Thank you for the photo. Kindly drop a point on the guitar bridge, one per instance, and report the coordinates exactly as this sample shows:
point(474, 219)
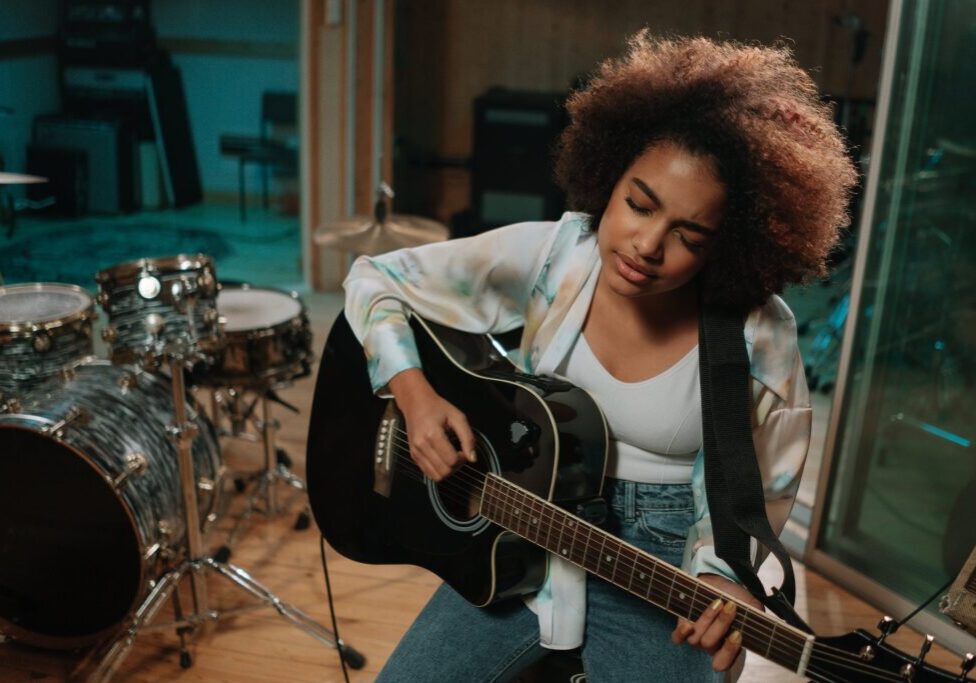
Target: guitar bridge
point(384, 453)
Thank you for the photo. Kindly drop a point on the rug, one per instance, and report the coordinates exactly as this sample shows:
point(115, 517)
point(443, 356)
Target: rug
point(73, 254)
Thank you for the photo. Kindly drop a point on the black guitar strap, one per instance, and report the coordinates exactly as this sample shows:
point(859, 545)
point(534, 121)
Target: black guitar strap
point(732, 481)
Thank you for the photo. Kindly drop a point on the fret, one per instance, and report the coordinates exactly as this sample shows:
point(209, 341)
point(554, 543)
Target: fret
point(536, 519)
point(574, 525)
point(667, 602)
point(548, 527)
point(694, 597)
point(650, 582)
point(586, 545)
point(772, 636)
point(633, 570)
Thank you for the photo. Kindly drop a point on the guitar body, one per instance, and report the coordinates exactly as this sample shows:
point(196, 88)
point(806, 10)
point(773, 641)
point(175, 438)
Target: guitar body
point(488, 528)
point(373, 505)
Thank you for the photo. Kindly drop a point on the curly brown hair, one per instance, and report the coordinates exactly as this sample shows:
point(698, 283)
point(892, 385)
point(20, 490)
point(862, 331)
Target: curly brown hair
point(752, 109)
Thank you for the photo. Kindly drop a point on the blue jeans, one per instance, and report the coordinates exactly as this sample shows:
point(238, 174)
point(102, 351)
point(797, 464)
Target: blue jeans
point(626, 639)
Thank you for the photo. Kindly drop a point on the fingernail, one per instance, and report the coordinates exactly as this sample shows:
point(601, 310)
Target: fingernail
point(471, 456)
point(729, 607)
point(715, 605)
point(736, 637)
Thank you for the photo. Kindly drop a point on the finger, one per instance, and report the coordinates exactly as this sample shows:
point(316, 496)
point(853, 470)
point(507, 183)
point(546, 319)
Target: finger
point(704, 621)
point(431, 465)
point(713, 636)
point(440, 448)
point(726, 654)
point(682, 631)
point(462, 430)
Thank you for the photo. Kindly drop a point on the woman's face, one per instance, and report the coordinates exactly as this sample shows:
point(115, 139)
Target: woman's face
point(658, 225)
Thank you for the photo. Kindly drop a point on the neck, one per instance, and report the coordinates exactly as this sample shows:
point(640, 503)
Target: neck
point(654, 313)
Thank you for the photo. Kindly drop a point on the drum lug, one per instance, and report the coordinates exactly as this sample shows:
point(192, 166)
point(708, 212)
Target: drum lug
point(210, 316)
point(205, 484)
point(128, 381)
point(135, 464)
point(75, 415)
point(207, 283)
point(102, 299)
point(11, 405)
point(42, 341)
point(109, 334)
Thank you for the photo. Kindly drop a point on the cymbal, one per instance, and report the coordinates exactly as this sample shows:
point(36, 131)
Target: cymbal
point(369, 236)
point(20, 179)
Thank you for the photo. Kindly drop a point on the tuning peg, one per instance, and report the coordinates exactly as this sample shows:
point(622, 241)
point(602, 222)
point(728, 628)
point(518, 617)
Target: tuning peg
point(887, 626)
point(908, 671)
point(968, 662)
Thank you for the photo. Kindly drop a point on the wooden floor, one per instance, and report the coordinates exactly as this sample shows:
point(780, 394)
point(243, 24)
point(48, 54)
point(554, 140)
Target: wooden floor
point(374, 605)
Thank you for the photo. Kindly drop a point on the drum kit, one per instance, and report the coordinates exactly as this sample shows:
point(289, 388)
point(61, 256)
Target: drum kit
point(112, 467)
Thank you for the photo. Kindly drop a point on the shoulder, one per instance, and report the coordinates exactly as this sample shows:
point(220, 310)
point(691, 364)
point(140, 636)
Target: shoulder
point(771, 339)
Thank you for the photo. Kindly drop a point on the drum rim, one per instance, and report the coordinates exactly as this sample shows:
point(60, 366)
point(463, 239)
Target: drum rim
point(29, 327)
point(69, 642)
point(264, 330)
point(129, 271)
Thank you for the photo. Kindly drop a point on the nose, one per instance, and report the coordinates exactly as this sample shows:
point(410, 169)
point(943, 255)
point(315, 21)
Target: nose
point(649, 243)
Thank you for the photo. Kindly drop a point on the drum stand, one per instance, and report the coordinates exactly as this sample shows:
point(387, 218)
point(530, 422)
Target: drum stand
point(197, 565)
point(231, 400)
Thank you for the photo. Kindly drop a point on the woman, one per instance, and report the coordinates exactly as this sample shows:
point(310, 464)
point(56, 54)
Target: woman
point(699, 172)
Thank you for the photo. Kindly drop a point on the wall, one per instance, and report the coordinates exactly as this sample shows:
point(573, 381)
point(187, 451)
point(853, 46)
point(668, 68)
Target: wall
point(28, 75)
point(450, 51)
point(229, 52)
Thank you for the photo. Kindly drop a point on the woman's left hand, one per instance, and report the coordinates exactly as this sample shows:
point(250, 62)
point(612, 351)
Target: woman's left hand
point(711, 631)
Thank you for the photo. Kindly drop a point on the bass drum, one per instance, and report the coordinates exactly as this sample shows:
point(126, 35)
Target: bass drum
point(90, 500)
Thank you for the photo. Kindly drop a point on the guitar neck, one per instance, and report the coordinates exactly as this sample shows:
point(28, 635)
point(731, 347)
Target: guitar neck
point(635, 571)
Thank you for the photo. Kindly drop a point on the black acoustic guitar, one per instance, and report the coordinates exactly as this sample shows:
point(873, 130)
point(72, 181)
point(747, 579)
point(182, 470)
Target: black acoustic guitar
point(488, 529)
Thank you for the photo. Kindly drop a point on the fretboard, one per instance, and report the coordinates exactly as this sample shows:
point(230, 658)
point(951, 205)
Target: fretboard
point(633, 570)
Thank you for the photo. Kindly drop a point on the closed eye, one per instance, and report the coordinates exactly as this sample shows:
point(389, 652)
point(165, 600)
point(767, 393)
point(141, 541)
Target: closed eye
point(637, 208)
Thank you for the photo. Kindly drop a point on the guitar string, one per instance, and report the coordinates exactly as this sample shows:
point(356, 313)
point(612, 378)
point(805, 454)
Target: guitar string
point(474, 477)
point(843, 660)
point(477, 478)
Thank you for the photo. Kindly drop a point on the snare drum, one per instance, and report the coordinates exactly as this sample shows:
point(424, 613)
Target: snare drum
point(151, 302)
point(266, 338)
point(43, 327)
point(90, 500)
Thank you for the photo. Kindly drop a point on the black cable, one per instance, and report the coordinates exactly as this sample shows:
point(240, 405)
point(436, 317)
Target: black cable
point(335, 626)
point(924, 604)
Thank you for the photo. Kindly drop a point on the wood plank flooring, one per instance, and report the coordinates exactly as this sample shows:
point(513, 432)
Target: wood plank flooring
point(374, 605)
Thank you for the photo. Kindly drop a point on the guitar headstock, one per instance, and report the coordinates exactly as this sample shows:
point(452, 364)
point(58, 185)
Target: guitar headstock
point(861, 656)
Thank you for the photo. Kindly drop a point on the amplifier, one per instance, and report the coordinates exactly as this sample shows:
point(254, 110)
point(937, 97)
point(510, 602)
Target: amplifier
point(960, 602)
point(511, 166)
point(67, 172)
point(110, 147)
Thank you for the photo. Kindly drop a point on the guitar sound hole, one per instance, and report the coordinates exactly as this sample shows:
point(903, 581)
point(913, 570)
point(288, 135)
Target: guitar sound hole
point(460, 493)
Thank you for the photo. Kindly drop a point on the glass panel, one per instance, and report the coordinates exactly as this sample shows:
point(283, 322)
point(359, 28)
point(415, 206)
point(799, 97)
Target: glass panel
point(902, 499)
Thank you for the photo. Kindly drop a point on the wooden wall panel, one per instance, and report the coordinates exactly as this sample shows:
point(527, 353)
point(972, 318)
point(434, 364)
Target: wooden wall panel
point(450, 51)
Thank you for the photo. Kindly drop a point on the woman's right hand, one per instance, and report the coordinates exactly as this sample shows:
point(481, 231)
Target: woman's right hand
point(430, 421)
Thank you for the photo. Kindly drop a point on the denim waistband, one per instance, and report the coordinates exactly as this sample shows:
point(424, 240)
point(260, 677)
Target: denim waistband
point(627, 498)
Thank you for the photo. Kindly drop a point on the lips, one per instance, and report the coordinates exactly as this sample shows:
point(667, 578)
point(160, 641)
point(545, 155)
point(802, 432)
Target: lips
point(629, 270)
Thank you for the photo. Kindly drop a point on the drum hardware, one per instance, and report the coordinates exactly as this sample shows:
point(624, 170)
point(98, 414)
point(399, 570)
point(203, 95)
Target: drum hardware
point(277, 464)
point(75, 415)
point(135, 464)
point(196, 564)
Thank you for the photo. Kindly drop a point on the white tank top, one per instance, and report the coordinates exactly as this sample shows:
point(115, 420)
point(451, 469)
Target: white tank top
point(655, 425)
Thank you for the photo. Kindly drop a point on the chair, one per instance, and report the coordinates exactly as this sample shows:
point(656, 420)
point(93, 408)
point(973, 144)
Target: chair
point(279, 112)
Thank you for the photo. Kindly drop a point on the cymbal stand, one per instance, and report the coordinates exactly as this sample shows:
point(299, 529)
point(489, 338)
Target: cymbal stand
point(197, 565)
point(276, 470)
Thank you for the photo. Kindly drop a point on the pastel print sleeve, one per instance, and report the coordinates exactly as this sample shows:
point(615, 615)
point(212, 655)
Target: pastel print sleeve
point(477, 284)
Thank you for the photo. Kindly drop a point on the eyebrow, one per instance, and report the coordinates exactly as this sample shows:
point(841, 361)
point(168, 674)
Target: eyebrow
point(690, 225)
